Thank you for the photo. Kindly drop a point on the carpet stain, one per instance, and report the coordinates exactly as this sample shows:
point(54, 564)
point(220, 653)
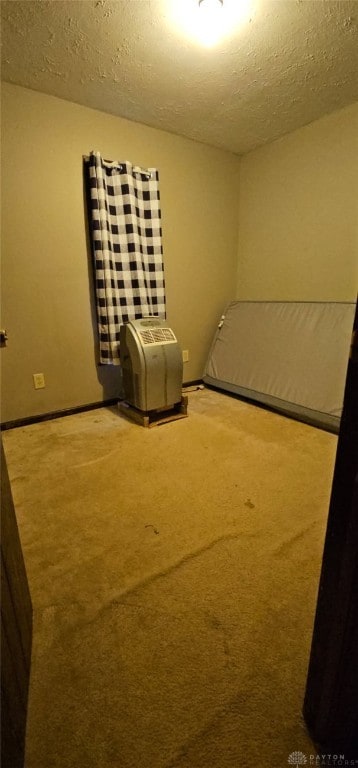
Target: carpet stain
point(249, 504)
point(213, 621)
point(154, 528)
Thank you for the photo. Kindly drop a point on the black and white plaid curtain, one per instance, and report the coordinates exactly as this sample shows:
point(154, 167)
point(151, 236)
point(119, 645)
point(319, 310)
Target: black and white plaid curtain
point(127, 244)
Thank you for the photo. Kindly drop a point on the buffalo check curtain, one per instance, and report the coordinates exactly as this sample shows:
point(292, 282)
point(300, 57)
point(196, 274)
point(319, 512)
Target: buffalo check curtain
point(125, 225)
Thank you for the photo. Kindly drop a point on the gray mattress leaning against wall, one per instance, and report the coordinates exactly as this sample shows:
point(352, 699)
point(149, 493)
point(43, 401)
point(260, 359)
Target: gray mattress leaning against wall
point(291, 356)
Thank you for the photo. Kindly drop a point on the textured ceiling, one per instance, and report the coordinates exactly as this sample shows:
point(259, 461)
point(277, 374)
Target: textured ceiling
point(290, 63)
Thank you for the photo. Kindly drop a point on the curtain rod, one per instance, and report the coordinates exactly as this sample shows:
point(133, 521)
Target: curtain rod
point(136, 169)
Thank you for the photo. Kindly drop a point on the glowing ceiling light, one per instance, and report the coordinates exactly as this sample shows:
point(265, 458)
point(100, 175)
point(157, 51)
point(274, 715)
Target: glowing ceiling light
point(209, 21)
point(211, 4)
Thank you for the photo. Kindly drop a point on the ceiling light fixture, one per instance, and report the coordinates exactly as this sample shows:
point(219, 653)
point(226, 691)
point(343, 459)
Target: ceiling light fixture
point(210, 3)
point(208, 22)
point(211, 21)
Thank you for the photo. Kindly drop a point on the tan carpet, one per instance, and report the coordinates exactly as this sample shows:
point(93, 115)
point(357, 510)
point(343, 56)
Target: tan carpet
point(173, 573)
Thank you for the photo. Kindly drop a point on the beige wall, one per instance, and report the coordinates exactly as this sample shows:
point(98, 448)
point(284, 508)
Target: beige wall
point(297, 227)
point(46, 305)
point(298, 219)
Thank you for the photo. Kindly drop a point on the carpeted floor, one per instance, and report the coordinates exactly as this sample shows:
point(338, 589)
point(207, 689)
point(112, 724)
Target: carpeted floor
point(173, 574)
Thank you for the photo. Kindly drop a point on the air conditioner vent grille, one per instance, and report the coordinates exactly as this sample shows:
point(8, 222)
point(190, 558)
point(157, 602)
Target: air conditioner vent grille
point(157, 336)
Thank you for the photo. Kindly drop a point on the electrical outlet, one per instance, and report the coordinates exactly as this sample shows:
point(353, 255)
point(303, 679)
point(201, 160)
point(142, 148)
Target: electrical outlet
point(39, 380)
point(185, 355)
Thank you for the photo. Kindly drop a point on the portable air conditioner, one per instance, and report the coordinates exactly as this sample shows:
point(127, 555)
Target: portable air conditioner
point(152, 365)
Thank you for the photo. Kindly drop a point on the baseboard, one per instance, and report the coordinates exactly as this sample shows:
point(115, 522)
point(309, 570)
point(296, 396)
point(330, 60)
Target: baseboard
point(57, 414)
point(194, 383)
point(71, 411)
